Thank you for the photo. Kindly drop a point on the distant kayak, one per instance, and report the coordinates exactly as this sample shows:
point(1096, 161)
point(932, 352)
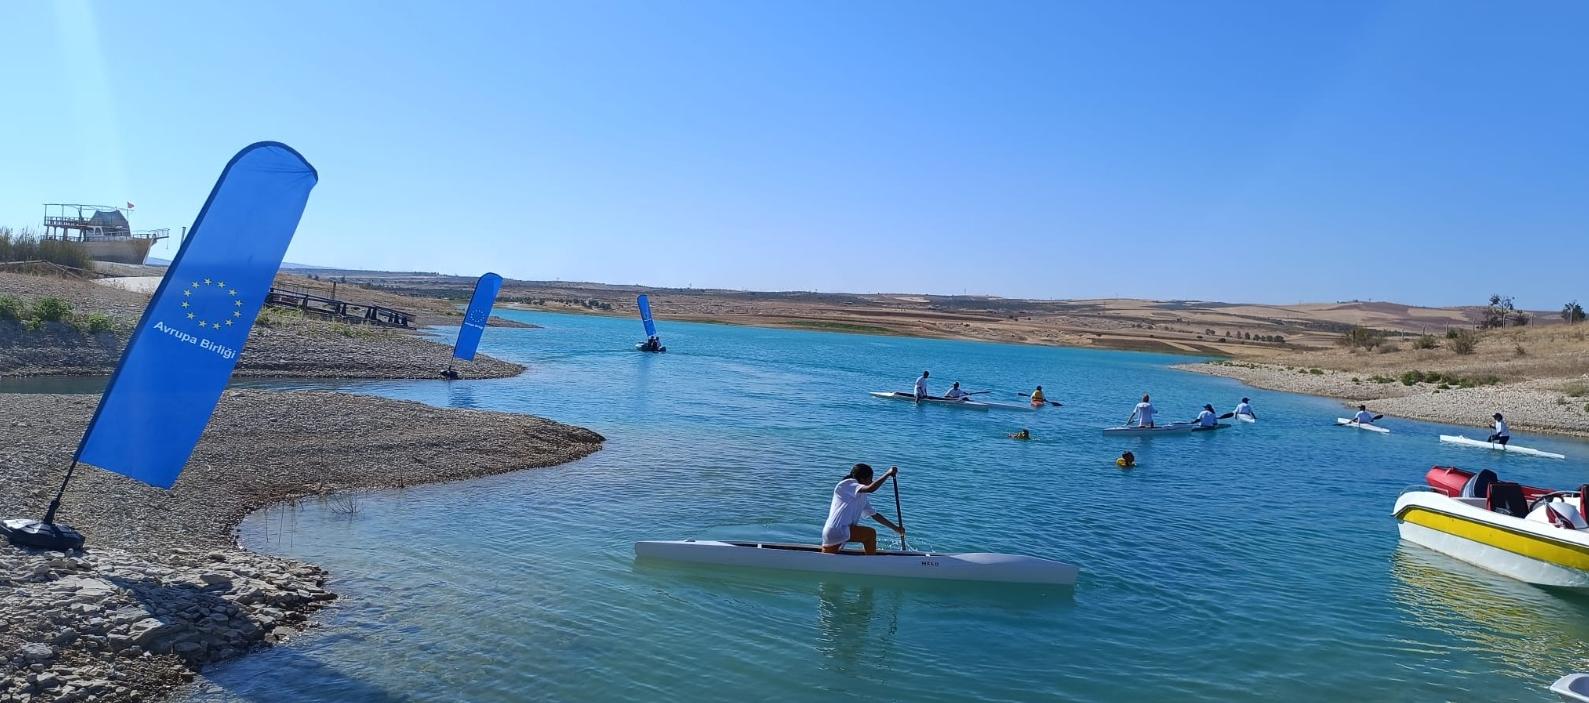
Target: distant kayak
point(932, 399)
point(997, 568)
point(1246, 418)
point(1508, 448)
point(1172, 428)
point(1361, 425)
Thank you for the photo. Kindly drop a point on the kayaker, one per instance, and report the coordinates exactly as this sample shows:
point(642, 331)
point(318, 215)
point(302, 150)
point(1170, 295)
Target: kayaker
point(1126, 460)
point(1207, 418)
point(1023, 434)
point(955, 393)
point(1037, 396)
point(1143, 414)
point(1363, 416)
point(850, 505)
point(1244, 408)
point(921, 386)
point(1503, 434)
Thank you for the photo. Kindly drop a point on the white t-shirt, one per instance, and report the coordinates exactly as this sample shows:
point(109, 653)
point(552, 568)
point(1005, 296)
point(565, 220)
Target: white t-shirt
point(955, 393)
point(1243, 409)
point(849, 506)
point(1501, 428)
point(1364, 417)
point(1144, 413)
point(1207, 418)
point(921, 386)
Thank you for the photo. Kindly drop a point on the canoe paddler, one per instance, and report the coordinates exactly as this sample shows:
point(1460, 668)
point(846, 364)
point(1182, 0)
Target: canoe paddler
point(1023, 434)
point(921, 386)
point(850, 505)
point(956, 394)
point(1503, 433)
point(1245, 408)
point(1143, 413)
point(1207, 418)
point(1126, 460)
point(1038, 398)
point(1363, 416)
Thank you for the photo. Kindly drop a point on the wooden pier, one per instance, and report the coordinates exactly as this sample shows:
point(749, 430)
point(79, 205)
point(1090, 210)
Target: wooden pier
point(338, 310)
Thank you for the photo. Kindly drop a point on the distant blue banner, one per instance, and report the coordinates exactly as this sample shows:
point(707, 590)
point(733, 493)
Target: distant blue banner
point(474, 319)
point(644, 302)
point(183, 349)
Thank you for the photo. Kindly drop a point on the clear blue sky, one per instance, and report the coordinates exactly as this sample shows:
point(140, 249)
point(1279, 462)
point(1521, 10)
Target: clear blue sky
point(1428, 152)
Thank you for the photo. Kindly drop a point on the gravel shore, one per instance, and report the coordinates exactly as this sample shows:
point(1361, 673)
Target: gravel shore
point(163, 589)
point(1535, 405)
point(280, 345)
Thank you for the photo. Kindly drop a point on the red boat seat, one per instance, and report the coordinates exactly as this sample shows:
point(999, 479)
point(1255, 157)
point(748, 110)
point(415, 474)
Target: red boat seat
point(1506, 497)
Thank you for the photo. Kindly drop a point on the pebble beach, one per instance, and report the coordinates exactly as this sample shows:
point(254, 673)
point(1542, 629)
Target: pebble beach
point(162, 589)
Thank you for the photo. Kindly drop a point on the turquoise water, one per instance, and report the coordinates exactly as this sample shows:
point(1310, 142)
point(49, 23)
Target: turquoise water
point(1258, 563)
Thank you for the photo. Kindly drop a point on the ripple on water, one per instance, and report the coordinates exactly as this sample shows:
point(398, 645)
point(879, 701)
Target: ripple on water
point(1259, 563)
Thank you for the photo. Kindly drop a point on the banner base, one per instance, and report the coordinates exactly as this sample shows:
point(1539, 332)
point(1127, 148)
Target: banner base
point(43, 535)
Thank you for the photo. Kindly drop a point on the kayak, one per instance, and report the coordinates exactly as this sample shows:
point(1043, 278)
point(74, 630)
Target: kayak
point(1245, 418)
point(935, 400)
point(1028, 407)
point(1371, 427)
point(1508, 448)
point(976, 566)
point(1172, 428)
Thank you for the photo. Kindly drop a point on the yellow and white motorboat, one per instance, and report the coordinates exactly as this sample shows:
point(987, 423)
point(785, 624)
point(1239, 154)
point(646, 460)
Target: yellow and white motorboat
point(1531, 534)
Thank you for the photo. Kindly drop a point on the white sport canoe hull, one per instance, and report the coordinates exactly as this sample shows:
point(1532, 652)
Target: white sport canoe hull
point(965, 404)
point(1526, 550)
point(1508, 448)
point(993, 568)
point(1246, 418)
point(1361, 425)
point(1175, 428)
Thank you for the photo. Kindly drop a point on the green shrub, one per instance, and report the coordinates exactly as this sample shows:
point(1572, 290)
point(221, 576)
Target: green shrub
point(12, 308)
point(1426, 341)
point(51, 310)
point(1409, 378)
point(1463, 341)
point(1316, 372)
point(1576, 389)
point(96, 323)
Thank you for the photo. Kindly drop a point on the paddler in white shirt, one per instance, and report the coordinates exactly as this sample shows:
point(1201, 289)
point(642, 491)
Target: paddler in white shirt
point(1244, 408)
point(1363, 416)
point(1503, 434)
point(1207, 418)
point(850, 505)
point(956, 394)
point(1143, 414)
point(921, 386)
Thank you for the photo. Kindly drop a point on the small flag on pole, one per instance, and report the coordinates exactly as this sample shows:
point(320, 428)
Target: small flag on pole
point(474, 319)
point(130, 205)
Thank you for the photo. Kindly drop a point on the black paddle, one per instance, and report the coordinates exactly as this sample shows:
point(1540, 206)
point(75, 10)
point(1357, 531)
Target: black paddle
point(899, 514)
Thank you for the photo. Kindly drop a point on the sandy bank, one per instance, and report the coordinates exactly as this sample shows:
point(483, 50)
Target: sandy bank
point(1534, 405)
point(163, 589)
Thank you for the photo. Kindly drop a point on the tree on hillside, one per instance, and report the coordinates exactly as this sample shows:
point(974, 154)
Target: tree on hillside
point(1499, 310)
point(1572, 312)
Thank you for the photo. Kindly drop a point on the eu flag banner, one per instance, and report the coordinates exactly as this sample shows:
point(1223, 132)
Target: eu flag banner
point(474, 319)
point(644, 301)
point(185, 346)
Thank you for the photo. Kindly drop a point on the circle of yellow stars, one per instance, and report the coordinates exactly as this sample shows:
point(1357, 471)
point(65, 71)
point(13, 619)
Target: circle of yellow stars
point(237, 305)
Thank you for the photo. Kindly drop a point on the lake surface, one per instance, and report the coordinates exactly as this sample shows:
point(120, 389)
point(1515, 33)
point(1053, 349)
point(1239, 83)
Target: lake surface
point(1258, 563)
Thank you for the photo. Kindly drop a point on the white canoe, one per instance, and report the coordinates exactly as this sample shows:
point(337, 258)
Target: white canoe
point(997, 568)
point(1246, 418)
point(1508, 448)
point(1573, 688)
point(1172, 428)
point(1371, 427)
point(933, 400)
point(996, 405)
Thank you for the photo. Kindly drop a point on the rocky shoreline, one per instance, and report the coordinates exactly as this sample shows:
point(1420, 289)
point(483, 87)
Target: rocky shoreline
point(162, 588)
point(1534, 405)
